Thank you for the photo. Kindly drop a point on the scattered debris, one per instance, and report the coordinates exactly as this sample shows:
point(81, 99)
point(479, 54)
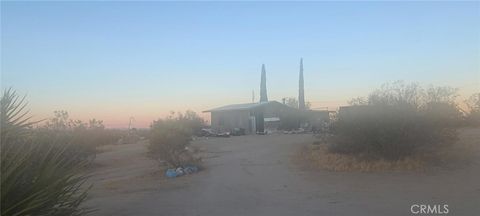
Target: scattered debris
point(226, 134)
point(208, 132)
point(171, 173)
point(179, 171)
point(190, 169)
point(298, 131)
point(238, 131)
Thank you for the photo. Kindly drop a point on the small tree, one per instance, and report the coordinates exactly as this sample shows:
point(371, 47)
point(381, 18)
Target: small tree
point(60, 121)
point(291, 102)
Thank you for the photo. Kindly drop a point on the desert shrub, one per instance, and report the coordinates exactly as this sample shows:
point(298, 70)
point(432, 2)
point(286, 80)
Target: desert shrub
point(190, 120)
point(397, 121)
point(131, 136)
point(144, 133)
point(473, 116)
point(37, 177)
point(84, 137)
point(170, 137)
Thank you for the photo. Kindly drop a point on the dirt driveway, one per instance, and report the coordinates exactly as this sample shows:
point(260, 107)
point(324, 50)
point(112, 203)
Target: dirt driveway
point(255, 175)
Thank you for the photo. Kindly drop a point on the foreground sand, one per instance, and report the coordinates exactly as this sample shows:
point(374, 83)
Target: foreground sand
point(255, 175)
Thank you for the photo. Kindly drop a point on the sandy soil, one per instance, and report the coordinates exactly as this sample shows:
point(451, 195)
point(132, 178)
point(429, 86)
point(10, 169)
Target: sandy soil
point(255, 175)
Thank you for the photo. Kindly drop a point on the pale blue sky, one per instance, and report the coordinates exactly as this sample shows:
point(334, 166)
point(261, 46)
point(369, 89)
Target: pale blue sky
point(112, 60)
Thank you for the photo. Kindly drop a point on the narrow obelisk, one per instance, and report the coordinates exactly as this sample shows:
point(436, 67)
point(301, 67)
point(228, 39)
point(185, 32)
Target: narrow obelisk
point(263, 86)
point(301, 96)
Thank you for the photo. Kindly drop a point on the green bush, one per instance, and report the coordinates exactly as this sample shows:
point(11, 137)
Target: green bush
point(169, 139)
point(37, 176)
point(397, 121)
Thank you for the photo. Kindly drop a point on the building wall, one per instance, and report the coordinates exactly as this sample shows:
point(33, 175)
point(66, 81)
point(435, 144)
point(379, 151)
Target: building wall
point(226, 121)
point(252, 120)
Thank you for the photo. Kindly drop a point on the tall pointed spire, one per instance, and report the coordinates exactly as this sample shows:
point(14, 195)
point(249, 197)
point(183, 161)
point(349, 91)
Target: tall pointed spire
point(263, 86)
point(301, 96)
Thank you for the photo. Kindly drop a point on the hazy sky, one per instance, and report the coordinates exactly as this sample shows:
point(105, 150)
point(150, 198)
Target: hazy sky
point(113, 60)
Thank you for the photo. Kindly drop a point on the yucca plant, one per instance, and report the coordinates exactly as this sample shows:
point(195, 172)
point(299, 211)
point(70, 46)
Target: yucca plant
point(37, 178)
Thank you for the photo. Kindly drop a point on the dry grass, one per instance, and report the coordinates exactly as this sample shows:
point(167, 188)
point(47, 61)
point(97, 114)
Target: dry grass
point(458, 154)
point(104, 148)
point(319, 157)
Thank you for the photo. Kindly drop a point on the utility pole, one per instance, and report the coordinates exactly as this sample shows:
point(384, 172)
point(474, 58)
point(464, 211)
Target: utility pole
point(130, 123)
point(253, 96)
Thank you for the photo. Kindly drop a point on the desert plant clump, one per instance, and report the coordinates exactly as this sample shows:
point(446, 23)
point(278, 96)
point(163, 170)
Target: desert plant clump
point(190, 120)
point(473, 115)
point(397, 122)
point(170, 138)
point(84, 137)
point(37, 176)
point(459, 154)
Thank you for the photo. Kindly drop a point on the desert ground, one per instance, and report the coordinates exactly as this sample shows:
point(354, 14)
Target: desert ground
point(257, 175)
